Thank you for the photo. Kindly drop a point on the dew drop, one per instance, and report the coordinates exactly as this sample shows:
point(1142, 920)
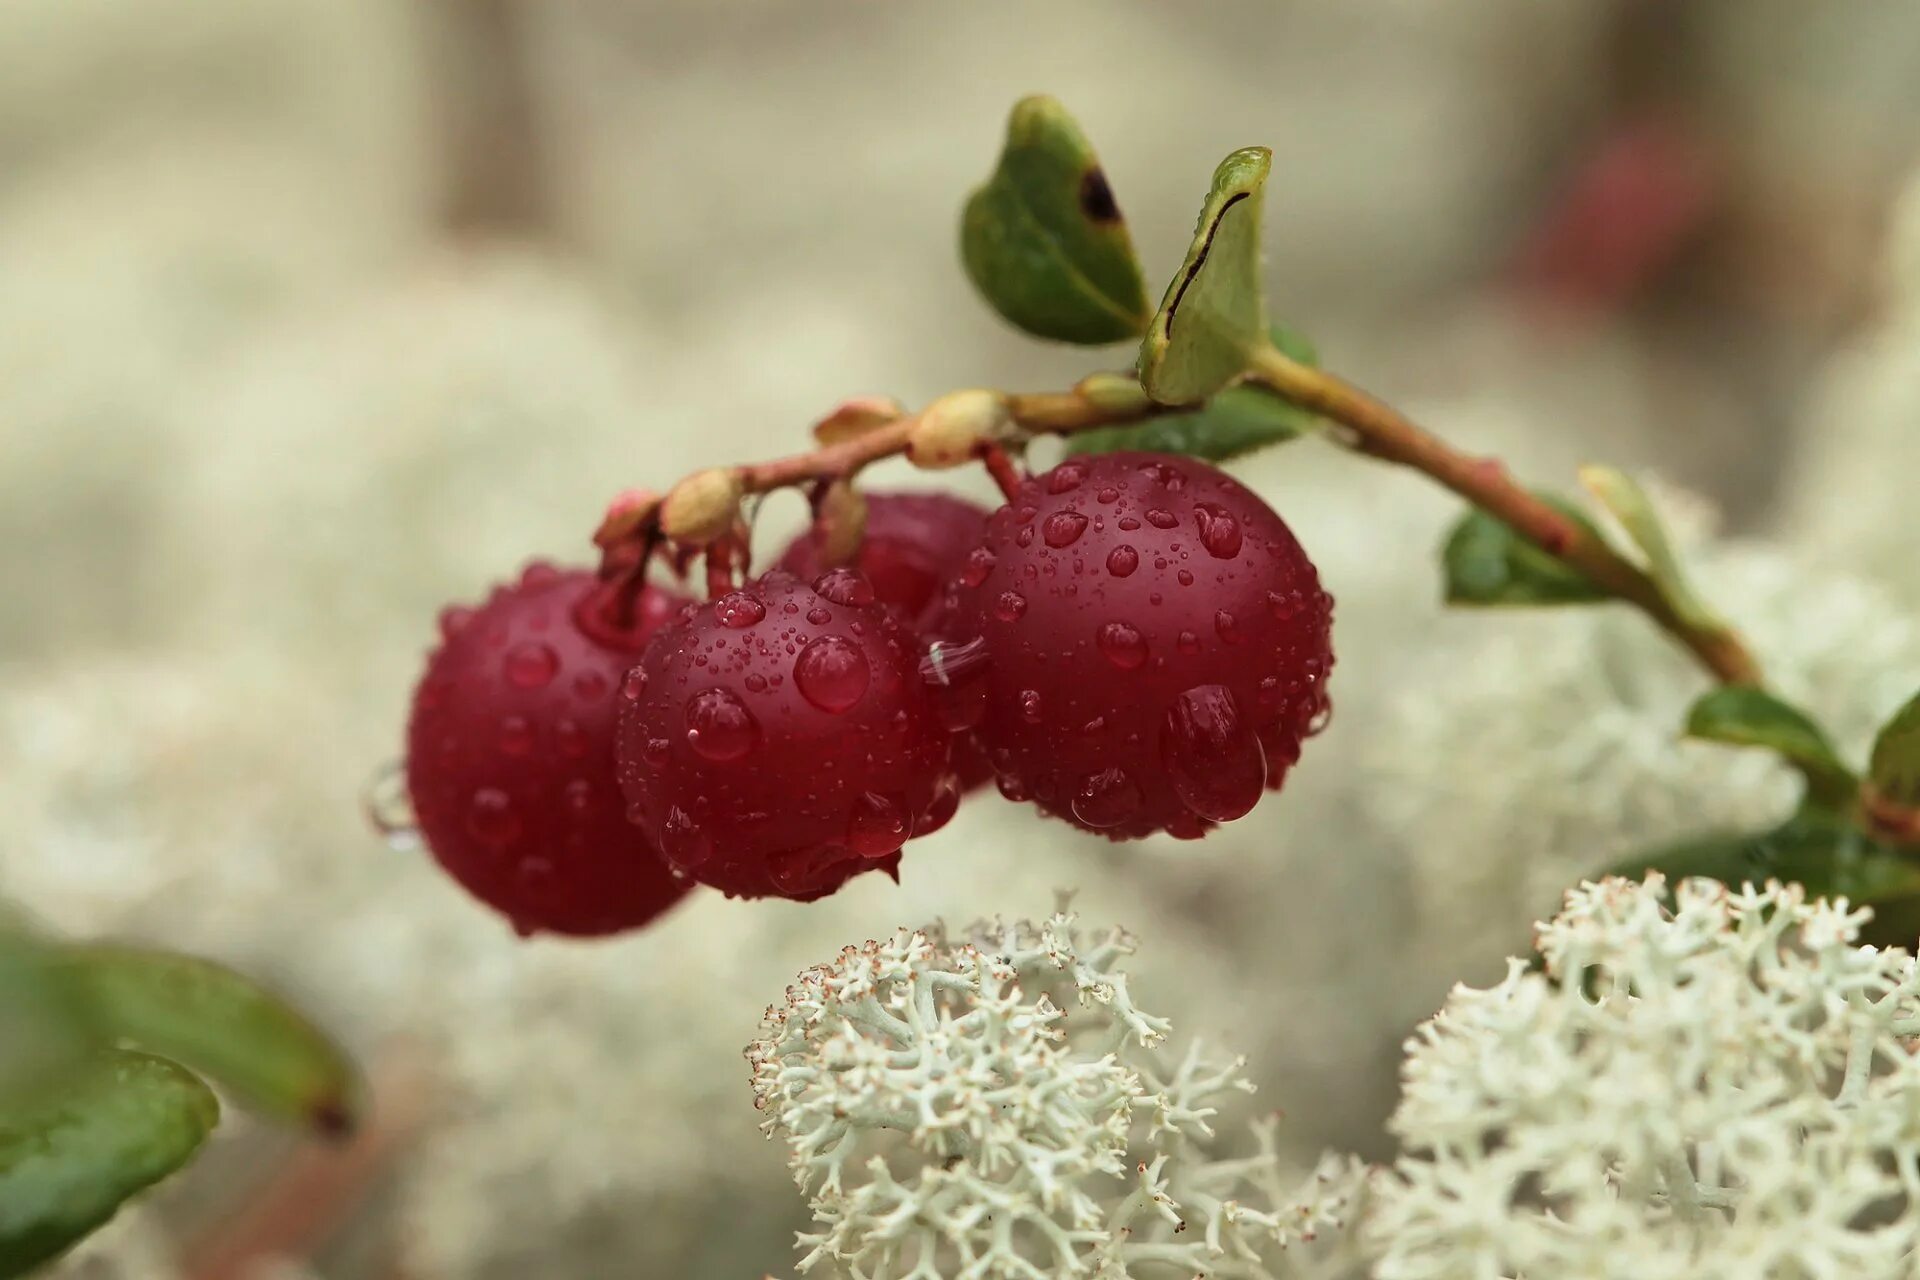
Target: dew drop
point(1128, 524)
point(1107, 496)
point(634, 687)
point(1211, 754)
point(454, 620)
point(980, 562)
point(738, 610)
point(1025, 515)
point(847, 587)
point(389, 809)
point(878, 826)
point(579, 795)
point(819, 615)
point(1161, 518)
point(1122, 644)
point(1009, 606)
point(1066, 477)
point(1012, 787)
point(1063, 528)
point(516, 736)
point(532, 665)
point(756, 683)
point(1030, 705)
point(831, 673)
point(590, 686)
point(1122, 561)
point(719, 726)
point(1107, 798)
point(683, 841)
point(490, 817)
point(1284, 607)
point(1024, 538)
point(1188, 642)
point(656, 752)
point(571, 739)
point(1184, 577)
point(1226, 627)
point(940, 810)
point(1219, 531)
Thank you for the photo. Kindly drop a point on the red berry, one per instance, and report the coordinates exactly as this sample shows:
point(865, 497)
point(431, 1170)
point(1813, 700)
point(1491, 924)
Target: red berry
point(779, 740)
point(914, 543)
point(1156, 644)
point(510, 757)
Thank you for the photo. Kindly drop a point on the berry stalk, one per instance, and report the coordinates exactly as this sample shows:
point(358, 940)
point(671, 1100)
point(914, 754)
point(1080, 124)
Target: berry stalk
point(1378, 430)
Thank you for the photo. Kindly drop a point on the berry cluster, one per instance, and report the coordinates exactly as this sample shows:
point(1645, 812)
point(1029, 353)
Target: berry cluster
point(1135, 643)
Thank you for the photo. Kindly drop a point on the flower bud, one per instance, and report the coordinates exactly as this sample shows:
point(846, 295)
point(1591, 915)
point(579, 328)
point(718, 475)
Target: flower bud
point(953, 429)
point(702, 507)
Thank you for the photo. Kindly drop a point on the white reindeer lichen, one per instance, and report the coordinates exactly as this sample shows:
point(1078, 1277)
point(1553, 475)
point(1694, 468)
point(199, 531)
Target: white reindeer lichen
point(1706, 1083)
point(992, 1108)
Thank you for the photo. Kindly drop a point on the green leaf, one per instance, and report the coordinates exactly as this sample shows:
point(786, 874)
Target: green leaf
point(1830, 857)
point(1213, 316)
point(224, 1025)
point(1622, 496)
point(1894, 769)
point(1745, 716)
point(43, 1027)
point(1487, 563)
point(1044, 241)
point(1234, 422)
point(121, 1122)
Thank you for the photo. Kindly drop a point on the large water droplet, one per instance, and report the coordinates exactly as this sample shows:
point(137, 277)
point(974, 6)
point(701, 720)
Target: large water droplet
point(878, 826)
point(940, 810)
point(657, 752)
point(1031, 705)
point(1226, 627)
point(683, 841)
point(1219, 531)
point(1009, 606)
point(719, 726)
point(832, 673)
point(1066, 477)
point(1063, 528)
point(980, 562)
point(516, 736)
point(1122, 644)
point(389, 809)
point(819, 615)
point(1122, 561)
point(738, 610)
point(634, 687)
point(490, 817)
point(1160, 518)
point(848, 587)
point(1107, 798)
point(532, 665)
point(1212, 754)
point(1012, 787)
point(1107, 496)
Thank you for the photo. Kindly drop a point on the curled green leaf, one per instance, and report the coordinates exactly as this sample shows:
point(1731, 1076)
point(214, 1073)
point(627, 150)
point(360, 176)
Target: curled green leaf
point(1628, 503)
point(1213, 316)
point(119, 1123)
point(1234, 422)
point(43, 1027)
point(1745, 716)
point(242, 1036)
point(1487, 563)
point(1043, 239)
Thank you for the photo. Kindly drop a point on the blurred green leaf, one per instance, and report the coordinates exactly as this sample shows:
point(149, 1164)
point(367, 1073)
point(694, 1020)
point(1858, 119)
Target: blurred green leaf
point(121, 1122)
point(1622, 496)
point(1830, 857)
point(1213, 316)
point(1487, 563)
point(43, 1026)
point(1044, 241)
point(1745, 716)
point(1234, 422)
point(1894, 769)
point(242, 1036)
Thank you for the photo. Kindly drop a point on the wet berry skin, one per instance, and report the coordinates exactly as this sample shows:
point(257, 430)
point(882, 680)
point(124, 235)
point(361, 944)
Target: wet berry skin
point(1157, 645)
point(778, 741)
point(510, 757)
point(913, 545)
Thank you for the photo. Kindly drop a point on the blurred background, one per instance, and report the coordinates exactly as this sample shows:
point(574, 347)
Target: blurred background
point(317, 315)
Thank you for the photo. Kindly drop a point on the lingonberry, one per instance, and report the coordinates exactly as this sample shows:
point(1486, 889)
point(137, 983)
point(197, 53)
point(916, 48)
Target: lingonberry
point(1155, 644)
point(510, 756)
point(913, 546)
point(778, 740)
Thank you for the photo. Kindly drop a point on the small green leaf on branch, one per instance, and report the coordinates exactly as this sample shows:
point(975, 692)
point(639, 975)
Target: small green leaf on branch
point(1487, 563)
point(212, 1019)
point(1629, 504)
point(1213, 316)
point(1234, 422)
point(1745, 716)
point(119, 1123)
point(1892, 793)
point(1043, 239)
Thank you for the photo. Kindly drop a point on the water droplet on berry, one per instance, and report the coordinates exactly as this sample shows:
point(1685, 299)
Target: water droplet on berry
point(1219, 531)
point(1283, 606)
point(1030, 705)
point(878, 826)
point(1184, 577)
point(516, 736)
point(953, 673)
point(579, 795)
point(490, 817)
point(1122, 561)
point(532, 665)
point(1226, 628)
point(571, 739)
point(940, 810)
point(1063, 528)
point(1322, 717)
point(831, 673)
point(1123, 645)
point(739, 610)
point(1212, 755)
point(1024, 538)
point(798, 872)
point(847, 587)
point(1066, 477)
point(683, 842)
point(454, 620)
point(719, 726)
point(1107, 496)
point(819, 615)
point(1160, 518)
point(657, 752)
point(1012, 787)
point(980, 562)
point(1107, 798)
point(1128, 524)
point(388, 808)
point(590, 686)
point(1009, 606)
point(756, 683)
point(634, 687)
